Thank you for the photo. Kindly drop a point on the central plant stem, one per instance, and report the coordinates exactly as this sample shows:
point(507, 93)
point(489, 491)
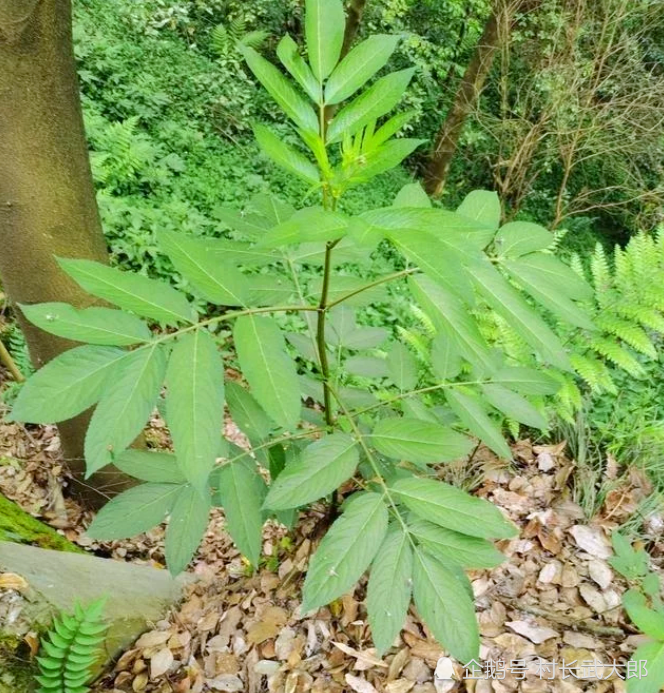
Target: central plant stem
point(320, 337)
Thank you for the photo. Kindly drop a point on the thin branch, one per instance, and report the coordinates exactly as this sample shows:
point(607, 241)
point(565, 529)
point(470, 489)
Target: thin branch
point(10, 364)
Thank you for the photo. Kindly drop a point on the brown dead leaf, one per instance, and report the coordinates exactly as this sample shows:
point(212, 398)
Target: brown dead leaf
point(160, 663)
point(11, 581)
point(359, 685)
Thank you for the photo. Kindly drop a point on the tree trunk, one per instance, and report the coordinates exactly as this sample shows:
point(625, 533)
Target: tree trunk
point(355, 11)
point(47, 198)
point(466, 96)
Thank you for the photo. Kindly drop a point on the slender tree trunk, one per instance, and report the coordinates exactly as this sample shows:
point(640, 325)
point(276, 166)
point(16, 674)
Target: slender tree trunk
point(354, 13)
point(47, 199)
point(465, 99)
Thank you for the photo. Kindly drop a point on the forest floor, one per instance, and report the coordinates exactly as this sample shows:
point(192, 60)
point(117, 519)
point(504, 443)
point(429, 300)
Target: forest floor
point(554, 599)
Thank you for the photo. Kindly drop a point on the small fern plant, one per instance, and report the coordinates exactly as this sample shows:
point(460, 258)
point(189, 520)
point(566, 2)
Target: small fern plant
point(70, 650)
point(386, 409)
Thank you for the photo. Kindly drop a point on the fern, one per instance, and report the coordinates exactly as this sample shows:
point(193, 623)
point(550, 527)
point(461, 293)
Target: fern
point(71, 649)
point(224, 39)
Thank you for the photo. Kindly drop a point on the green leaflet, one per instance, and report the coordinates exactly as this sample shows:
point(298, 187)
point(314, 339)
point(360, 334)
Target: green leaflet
point(252, 226)
point(195, 405)
point(324, 28)
point(527, 381)
point(366, 366)
point(472, 413)
point(514, 406)
point(285, 156)
point(289, 54)
point(507, 302)
point(389, 588)
point(412, 195)
point(550, 294)
point(445, 358)
point(448, 545)
point(189, 520)
point(157, 467)
point(402, 366)
point(247, 413)
point(453, 319)
point(125, 406)
point(147, 297)
point(521, 237)
point(292, 103)
point(549, 269)
point(216, 282)
point(68, 385)
point(134, 511)
point(359, 66)
point(482, 206)
point(268, 368)
point(241, 492)
point(453, 508)
point(309, 225)
point(652, 682)
point(270, 290)
point(238, 253)
point(102, 326)
point(378, 100)
point(346, 550)
point(386, 157)
point(419, 441)
point(647, 620)
point(445, 607)
point(321, 468)
point(341, 285)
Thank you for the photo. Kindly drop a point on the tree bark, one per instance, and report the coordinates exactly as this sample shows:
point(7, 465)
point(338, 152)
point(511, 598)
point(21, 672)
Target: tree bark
point(47, 198)
point(465, 99)
point(355, 11)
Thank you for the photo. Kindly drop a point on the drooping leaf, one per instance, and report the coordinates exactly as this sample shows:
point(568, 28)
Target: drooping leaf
point(195, 405)
point(446, 607)
point(375, 102)
point(448, 545)
point(445, 358)
point(521, 237)
point(359, 66)
point(285, 156)
point(189, 520)
point(514, 406)
point(147, 297)
point(320, 469)
point(482, 206)
point(472, 413)
point(220, 283)
point(156, 467)
point(346, 550)
point(289, 54)
point(102, 326)
point(247, 413)
point(402, 366)
point(290, 100)
point(324, 28)
point(453, 508)
point(125, 406)
point(134, 511)
point(551, 295)
point(309, 225)
point(507, 302)
point(241, 491)
point(68, 385)
point(547, 268)
point(268, 368)
point(453, 319)
point(389, 588)
point(419, 441)
point(527, 381)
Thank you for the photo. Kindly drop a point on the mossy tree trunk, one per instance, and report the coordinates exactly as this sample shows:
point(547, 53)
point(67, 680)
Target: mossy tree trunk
point(47, 199)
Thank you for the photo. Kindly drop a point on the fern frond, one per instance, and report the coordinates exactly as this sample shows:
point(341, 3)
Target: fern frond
point(71, 649)
point(628, 332)
point(620, 357)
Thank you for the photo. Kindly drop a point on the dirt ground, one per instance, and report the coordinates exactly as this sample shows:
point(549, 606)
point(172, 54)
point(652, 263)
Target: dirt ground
point(555, 599)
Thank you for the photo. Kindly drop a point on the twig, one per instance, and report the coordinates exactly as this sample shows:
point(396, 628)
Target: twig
point(8, 361)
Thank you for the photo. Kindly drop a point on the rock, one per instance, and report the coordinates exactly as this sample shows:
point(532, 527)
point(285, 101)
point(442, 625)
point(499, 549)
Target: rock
point(136, 595)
